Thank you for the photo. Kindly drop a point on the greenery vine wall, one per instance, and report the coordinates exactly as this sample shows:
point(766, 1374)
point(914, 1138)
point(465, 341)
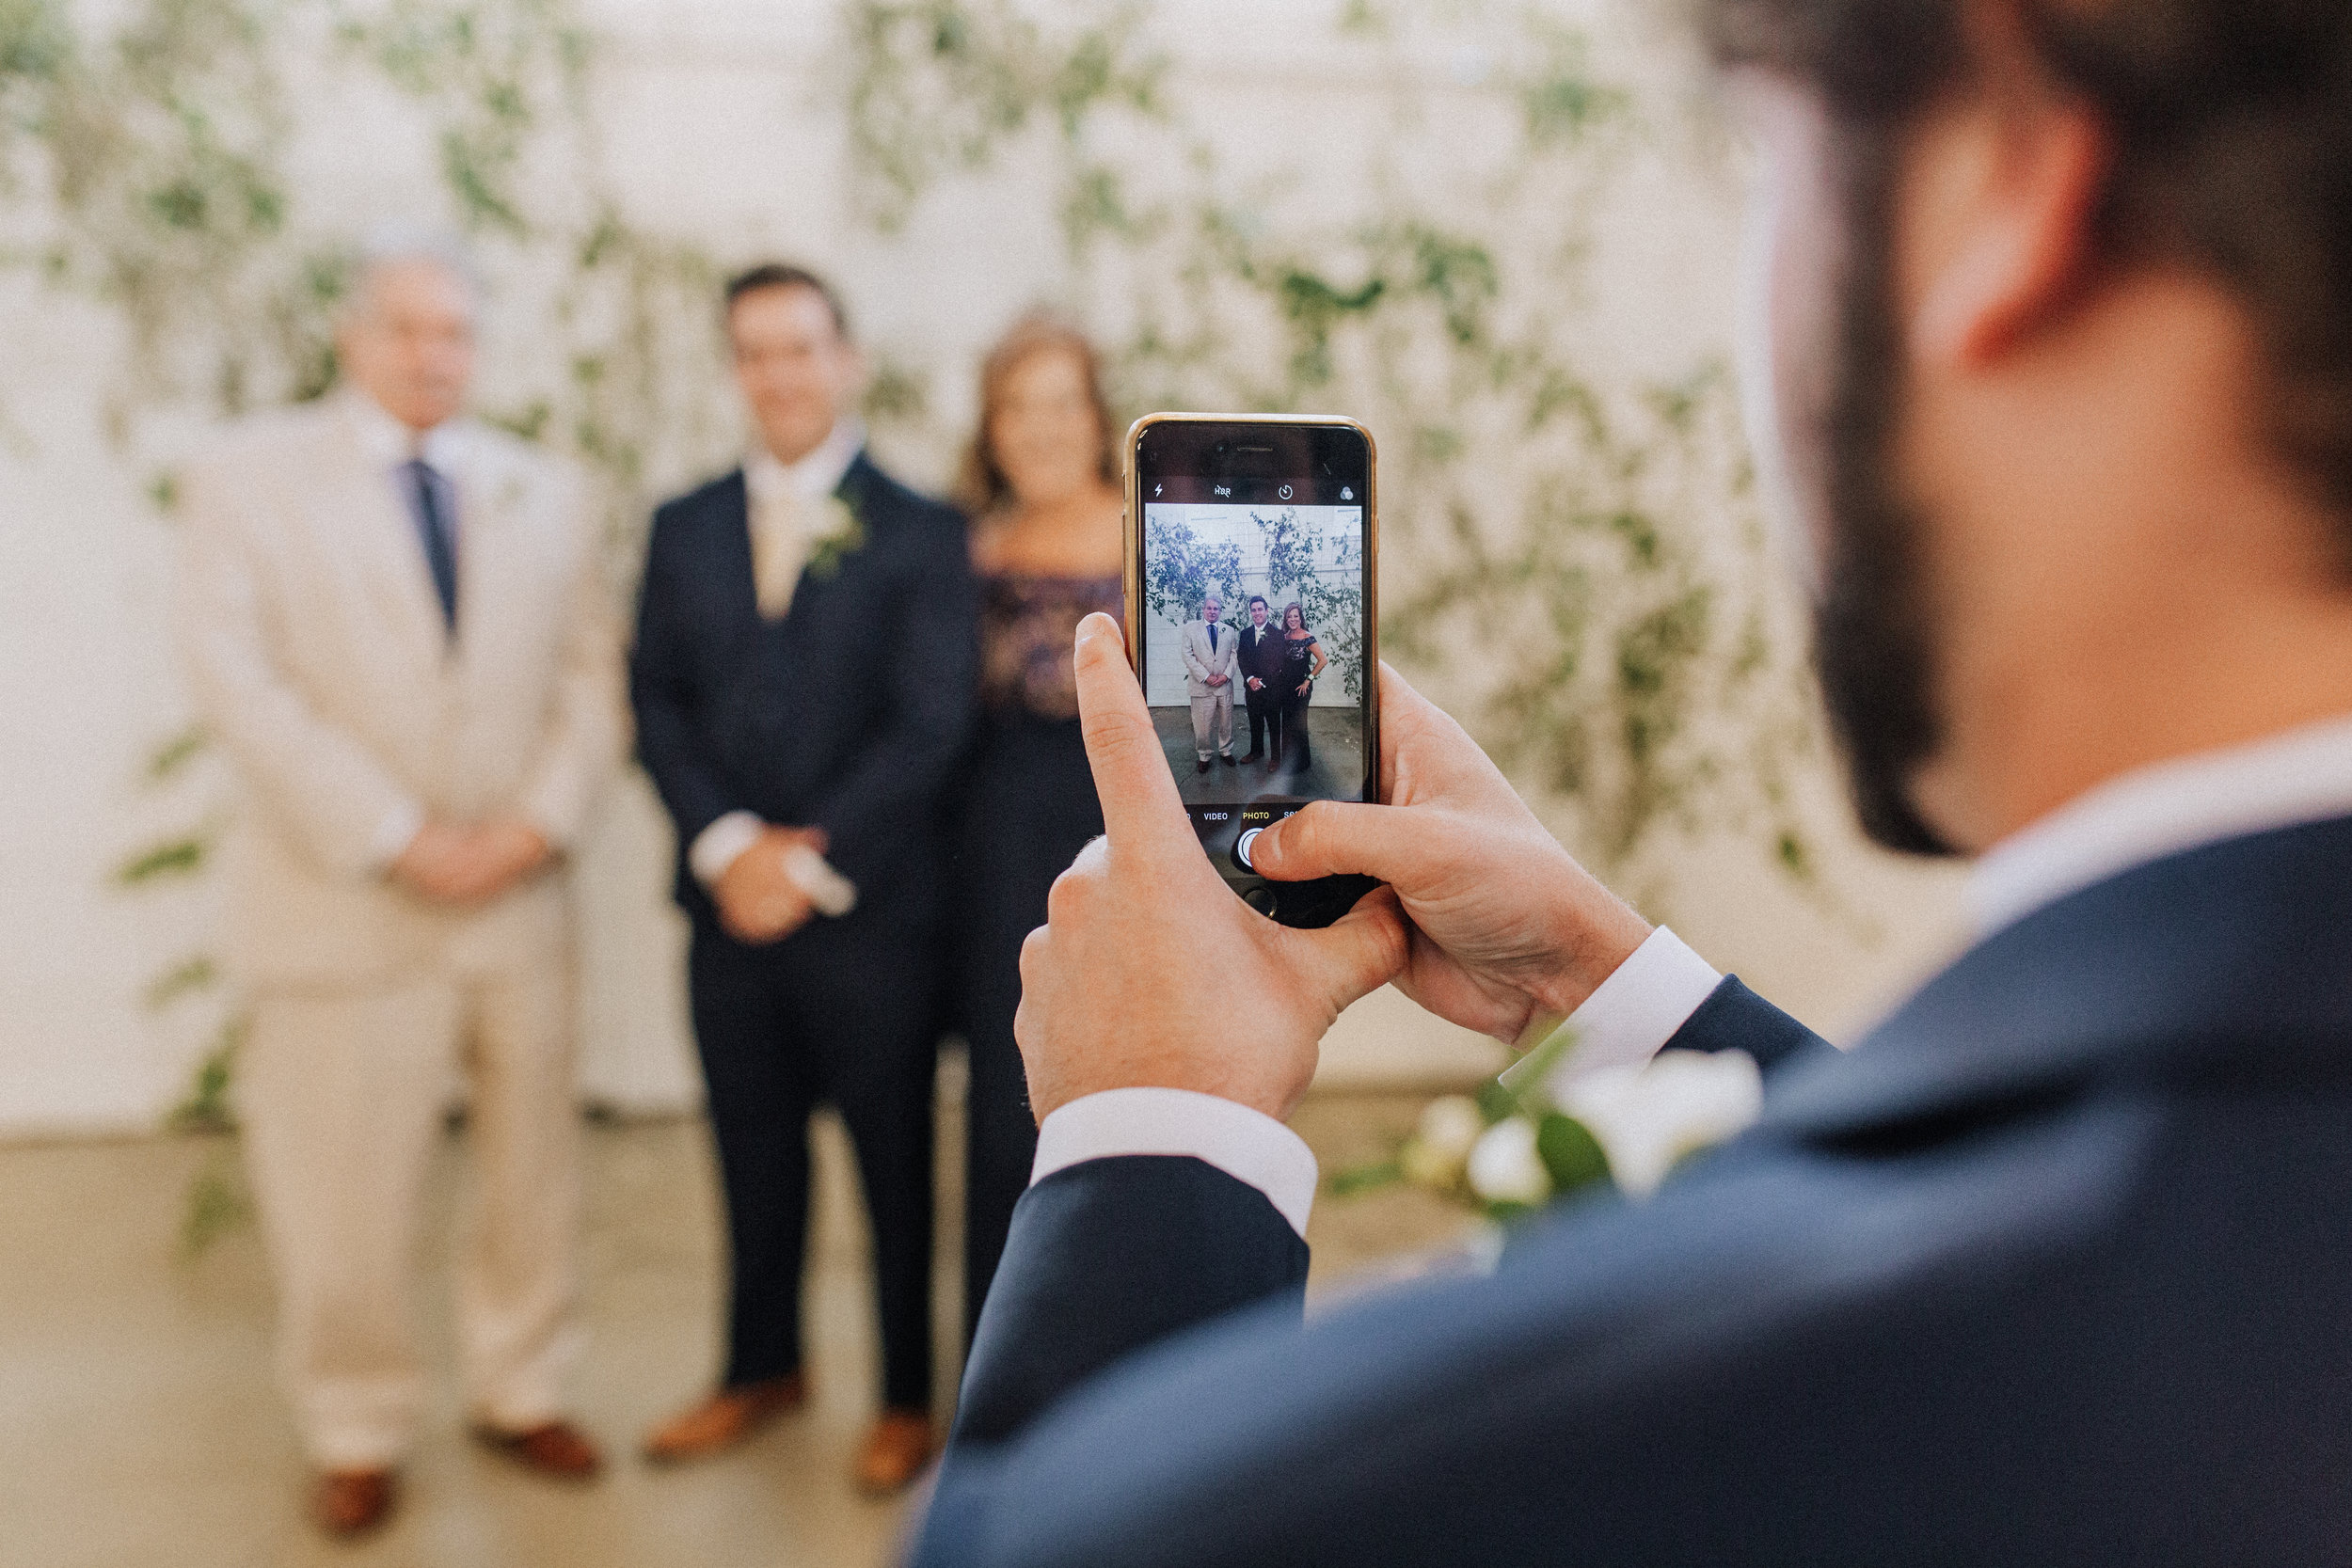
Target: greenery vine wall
point(1321, 575)
point(1572, 551)
point(159, 151)
point(1547, 532)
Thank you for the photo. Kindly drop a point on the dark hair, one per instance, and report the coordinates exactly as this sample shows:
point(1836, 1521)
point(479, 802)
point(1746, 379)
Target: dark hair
point(1255, 598)
point(982, 487)
point(783, 274)
point(1302, 616)
point(2231, 127)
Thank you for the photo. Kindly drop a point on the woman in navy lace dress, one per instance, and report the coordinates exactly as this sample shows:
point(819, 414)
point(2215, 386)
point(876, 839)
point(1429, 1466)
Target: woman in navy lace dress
point(1041, 484)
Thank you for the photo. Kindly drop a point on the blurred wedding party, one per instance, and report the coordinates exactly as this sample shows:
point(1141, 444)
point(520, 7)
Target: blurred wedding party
point(609, 957)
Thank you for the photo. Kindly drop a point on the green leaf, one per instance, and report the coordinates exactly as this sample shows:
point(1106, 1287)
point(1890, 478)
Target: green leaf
point(167, 759)
point(1570, 1152)
point(190, 974)
point(206, 1106)
point(180, 856)
point(1365, 1178)
point(218, 1204)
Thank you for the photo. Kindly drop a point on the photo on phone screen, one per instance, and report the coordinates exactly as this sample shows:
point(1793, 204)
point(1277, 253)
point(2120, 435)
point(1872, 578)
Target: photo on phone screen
point(1253, 623)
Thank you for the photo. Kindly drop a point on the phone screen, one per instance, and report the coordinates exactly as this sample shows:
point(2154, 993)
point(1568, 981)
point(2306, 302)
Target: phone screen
point(1254, 623)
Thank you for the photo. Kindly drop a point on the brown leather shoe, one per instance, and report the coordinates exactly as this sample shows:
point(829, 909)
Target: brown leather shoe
point(347, 1503)
point(713, 1425)
point(558, 1449)
point(895, 1452)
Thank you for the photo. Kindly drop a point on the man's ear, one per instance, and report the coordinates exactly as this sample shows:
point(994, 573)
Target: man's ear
point(2014, 181)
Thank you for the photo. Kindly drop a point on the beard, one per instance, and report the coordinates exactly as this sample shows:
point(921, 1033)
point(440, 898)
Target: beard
point(1873, 638)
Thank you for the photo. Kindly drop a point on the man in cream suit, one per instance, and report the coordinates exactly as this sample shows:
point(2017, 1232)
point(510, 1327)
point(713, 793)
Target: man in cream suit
point(1210, 653)
point(396, 627)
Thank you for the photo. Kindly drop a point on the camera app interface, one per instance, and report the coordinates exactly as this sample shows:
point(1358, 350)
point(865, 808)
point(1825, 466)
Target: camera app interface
point(1252, 627)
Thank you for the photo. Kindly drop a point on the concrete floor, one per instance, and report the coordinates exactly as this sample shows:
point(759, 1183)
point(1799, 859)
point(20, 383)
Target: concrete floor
point(1335, 773)
point(138, 1424)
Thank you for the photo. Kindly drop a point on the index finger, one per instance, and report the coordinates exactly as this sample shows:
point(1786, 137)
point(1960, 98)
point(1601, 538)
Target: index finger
point(1141, 809)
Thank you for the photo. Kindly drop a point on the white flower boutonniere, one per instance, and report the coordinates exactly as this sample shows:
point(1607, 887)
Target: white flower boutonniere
point(838, 534)
point(1542, 1133)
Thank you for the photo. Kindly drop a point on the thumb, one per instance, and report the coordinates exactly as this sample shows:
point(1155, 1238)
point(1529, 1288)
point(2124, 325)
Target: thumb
point(1358, 954)
point(1340, 838)
point(1141, 809)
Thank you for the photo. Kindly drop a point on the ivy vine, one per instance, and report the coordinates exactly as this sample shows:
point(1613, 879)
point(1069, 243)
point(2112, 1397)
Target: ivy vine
point(1552, 537)
point(1572, 549)
point(158, 150)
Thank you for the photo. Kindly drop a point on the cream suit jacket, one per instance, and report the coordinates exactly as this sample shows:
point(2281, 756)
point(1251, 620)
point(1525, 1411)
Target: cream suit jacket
point(1200, 663)
point(320, 662)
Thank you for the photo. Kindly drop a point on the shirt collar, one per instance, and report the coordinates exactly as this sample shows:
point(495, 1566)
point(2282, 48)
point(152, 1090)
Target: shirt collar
point(816, 475)
point(391, 443)
point(2303, 775)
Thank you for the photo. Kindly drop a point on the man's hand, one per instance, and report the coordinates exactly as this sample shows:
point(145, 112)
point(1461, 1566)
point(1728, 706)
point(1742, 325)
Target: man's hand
point(758, 903)
point(1217, 680)
point(469, 866)
point(1256, 685)
point(1503, 925)
point(1149, 973)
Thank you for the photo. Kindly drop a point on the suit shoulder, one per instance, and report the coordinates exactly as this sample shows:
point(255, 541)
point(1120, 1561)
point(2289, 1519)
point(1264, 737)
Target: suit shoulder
point(559, 489)
point(703, 497)
point(270, 438)
point(511, 453)
point(894, 503)
point(697, 506)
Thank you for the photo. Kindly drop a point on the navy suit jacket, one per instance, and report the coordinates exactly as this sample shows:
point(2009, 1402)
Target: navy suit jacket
point(1260, 654)
point(848, 714)
point(2055, 1267)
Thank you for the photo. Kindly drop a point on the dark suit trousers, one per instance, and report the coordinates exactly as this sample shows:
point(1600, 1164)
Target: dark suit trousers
point(1029, 808)
point(1300, 752)
point(829, 1015)
point(1265, 718)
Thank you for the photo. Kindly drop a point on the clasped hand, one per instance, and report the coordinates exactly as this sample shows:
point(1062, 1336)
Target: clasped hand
point(1149, 973)
point(758, 901)
point(465, 865)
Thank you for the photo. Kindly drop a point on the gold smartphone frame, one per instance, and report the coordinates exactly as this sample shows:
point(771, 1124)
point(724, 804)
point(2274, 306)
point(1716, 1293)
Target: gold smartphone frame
point(1132, 572)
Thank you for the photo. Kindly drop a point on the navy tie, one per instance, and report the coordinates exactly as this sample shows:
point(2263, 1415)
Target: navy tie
point(428, 502)
point(1212, 636)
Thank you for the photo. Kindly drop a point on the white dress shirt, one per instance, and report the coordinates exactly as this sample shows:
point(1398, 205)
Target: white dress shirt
point(2301, 775)
point(803, 487)
point(393, 445)
point(1625, 1020)
point(2304, 775)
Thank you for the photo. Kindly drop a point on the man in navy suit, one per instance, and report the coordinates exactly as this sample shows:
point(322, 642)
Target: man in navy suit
point(2052, 1267)
point(1260, 658)
point(803, 679)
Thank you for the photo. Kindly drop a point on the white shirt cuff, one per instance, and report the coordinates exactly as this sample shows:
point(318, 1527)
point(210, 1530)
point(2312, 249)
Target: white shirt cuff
point(393, 835)
point(716, 847)
point(1248, 1145)
point(1632, 1015)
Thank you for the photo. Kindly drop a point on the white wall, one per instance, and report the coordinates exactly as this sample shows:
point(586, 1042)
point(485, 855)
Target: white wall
point(720, 127)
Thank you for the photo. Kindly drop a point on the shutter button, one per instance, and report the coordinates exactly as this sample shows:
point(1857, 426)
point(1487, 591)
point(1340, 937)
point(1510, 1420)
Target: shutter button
point(1241, 849)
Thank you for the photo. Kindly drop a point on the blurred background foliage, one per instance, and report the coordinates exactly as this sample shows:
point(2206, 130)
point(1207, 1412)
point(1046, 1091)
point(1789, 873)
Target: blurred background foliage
point(1573, 552)
point(1570, 554)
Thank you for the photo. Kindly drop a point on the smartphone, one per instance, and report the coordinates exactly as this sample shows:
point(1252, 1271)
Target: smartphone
point(1252, 621)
